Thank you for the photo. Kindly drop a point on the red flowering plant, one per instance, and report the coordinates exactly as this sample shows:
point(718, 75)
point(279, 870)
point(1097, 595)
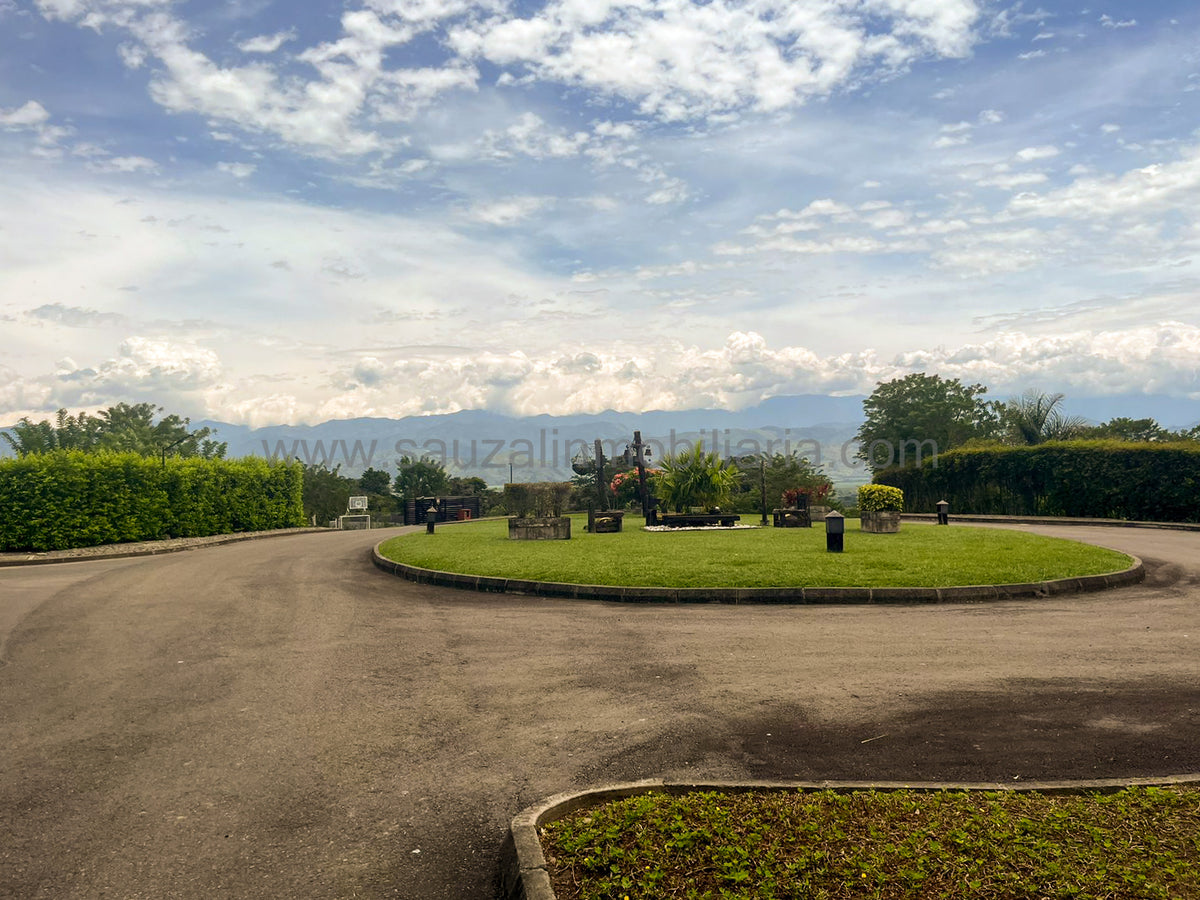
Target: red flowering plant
point(814, 495)
point(625, 486)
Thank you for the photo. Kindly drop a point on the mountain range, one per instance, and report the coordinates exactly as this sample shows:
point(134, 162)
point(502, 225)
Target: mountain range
point(540, 448)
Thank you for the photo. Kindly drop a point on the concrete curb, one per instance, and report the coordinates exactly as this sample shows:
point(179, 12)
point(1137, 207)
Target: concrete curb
point(146, 548)
point(976, 593)
point(524, 874)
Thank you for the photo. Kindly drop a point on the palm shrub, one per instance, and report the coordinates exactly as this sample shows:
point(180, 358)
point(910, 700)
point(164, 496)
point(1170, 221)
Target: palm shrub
point(692, 477)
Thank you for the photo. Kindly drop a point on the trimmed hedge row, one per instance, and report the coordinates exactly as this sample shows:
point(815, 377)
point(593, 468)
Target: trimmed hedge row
point(67, 499)
point(537, 498)
point(1090, 479)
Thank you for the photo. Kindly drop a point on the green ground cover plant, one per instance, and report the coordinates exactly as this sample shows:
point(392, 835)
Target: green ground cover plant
point(765, 557)
point(1135, 844)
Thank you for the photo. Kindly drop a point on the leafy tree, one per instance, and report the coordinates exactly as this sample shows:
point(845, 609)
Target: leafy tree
point(375, 481)
point(1123, 428)
point(423, 477)
point(692, 477)
point(1034, 418)
point(120, 428)
point(326, 493)
point(467, 487)
point(919, 415)
point(783, 471)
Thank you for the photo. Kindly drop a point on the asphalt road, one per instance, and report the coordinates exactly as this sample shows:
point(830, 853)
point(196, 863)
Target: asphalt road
point(279, 719)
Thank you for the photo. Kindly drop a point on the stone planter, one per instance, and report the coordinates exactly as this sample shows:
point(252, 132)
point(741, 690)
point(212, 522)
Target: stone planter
point(609, 522)
point(550, 528)
point(884, 521)
point(818, 513)
point(791, 517)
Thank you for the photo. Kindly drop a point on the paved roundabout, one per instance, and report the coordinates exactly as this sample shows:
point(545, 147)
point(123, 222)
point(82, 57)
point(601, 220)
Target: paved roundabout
point(278, 718)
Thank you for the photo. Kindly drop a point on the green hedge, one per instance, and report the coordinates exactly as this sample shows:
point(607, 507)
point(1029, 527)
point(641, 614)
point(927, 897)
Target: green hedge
point(1092, 479)
point(536, 498)
point(65, 499)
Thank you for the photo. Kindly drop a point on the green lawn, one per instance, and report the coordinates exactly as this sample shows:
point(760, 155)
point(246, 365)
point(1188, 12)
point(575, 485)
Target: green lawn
point(1137, 844)
point(920, 555)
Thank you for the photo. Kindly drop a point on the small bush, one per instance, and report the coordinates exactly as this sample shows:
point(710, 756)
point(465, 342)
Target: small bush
point(880, 498)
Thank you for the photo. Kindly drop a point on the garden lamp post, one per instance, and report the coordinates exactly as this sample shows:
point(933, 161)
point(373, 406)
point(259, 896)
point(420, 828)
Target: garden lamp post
point(835, 531)
point(943, 512)
point(431, 517)
point(174, 444)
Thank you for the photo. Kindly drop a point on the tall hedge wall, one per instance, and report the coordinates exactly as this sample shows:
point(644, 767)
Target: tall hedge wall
point(1093, 479)
point(66, 499)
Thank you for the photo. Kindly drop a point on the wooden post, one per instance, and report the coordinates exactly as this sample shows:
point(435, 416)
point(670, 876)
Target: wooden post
point(601, 487)
point(762, 484)
point(638, 446)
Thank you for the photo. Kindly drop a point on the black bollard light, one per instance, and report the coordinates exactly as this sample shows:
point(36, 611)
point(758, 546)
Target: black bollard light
point(430, 519)
point(835, 531)
point(943, 512)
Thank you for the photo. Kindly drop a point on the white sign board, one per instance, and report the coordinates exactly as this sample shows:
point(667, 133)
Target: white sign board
point(358, 502)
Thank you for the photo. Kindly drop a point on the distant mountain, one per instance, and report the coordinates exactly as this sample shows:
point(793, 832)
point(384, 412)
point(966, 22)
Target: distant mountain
point(540, 448)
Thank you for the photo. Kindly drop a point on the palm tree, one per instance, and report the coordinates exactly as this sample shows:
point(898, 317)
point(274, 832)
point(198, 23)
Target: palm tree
point(1034, 418)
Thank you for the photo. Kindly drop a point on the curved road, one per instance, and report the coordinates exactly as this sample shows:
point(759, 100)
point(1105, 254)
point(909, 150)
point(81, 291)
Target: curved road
point(279, 719)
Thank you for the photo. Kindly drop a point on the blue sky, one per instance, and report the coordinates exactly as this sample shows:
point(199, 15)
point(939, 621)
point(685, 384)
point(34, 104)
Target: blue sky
point(267, 212)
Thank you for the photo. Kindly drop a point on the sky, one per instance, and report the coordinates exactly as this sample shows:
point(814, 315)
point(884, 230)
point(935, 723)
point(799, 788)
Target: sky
point(264, 212)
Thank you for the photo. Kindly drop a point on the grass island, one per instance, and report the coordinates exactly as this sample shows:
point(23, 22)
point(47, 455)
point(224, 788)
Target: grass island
point(917, 556)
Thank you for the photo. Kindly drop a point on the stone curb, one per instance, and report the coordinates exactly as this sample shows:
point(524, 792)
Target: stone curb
point(976, 593)
point(524, 874)
point(118, 551)
point(1053, 520)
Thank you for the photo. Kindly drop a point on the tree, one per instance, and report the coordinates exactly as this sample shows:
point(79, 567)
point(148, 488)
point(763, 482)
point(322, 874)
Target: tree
point(467, 487)
point(423, 477)
point(692, 477)
point(375, 481)
point(122, 428)
point(326, 493)
point(782, 472)
point(912, 418)
point(1123, 428)
point(1034, 418)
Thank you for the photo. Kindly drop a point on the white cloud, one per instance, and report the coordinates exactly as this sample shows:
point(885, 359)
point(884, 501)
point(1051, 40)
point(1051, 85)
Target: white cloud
point(1033, 153)
point(508, 211)
point(531, 136)
point(679, 60)
point(267, 43)
point(123, 165)
point(746, 369)
point(1011, 181)
point(1152, 189)
point(171, 373)
point(32, 115)
point(237, 170)
point(1109, 22)
point(954, 135)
